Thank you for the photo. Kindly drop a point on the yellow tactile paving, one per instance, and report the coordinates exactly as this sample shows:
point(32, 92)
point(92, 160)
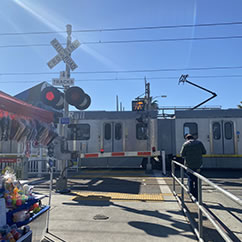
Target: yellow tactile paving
point(113, 171)
point(116, 196)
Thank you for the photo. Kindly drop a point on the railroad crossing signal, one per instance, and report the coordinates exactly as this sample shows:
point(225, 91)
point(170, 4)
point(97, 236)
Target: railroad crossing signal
point(72, 95)
point(75, 96)
point(51, 96)
point(64, 54)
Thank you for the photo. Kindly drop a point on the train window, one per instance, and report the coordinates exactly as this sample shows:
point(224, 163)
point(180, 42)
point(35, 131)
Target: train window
point(80, 132)
point(190, 128)
point(228, 127)
point(216, 131)
point(118, 131)
point(141, 131)
point(107, 131)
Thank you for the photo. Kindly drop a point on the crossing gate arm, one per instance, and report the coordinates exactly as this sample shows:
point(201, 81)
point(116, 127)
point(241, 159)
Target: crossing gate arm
point(121, 154)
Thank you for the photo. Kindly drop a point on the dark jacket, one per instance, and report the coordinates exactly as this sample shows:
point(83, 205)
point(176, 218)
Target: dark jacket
point(192, 151)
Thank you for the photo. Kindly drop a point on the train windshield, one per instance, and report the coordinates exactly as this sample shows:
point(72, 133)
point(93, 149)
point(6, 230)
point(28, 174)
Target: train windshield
point(79, 132)
point(141, 131)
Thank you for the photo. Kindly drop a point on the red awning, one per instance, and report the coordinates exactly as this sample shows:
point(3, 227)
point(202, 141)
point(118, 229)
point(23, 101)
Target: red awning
point(21, 108)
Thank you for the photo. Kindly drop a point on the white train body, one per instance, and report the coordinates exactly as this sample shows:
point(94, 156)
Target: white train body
point(219, 130)
point(91, 133)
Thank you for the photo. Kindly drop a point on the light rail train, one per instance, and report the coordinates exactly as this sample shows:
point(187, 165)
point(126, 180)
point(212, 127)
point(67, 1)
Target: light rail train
point(128, 131)
point(93, 132)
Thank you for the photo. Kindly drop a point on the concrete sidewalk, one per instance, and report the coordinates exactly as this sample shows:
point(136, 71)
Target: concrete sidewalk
point(101, 217)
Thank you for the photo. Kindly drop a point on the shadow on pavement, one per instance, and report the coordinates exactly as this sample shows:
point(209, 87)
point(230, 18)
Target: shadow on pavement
point(230, 210)
point(48, 239)
point(105, 185)
point(157, 229)
point(176, 227)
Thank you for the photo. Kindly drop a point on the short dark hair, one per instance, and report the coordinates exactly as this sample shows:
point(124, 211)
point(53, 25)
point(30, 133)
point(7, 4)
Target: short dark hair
point(189, 136)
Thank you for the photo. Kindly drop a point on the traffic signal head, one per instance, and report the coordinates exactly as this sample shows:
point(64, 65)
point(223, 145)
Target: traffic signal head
point(51, 150)
point(51, 96)
point(142, 119)
point(74, 156)
point(138, 105)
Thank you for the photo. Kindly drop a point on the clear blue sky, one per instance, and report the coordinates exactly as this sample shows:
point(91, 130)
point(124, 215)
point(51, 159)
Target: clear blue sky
point(24, 16)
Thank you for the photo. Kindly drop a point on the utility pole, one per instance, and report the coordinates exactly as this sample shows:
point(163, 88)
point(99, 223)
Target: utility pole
point(117, 103)
point(148, 107)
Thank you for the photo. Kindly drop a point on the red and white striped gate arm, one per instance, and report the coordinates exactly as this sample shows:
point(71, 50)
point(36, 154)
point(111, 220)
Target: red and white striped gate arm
point(121, 154)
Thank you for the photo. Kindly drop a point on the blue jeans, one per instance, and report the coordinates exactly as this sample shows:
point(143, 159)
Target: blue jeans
point(193, 184)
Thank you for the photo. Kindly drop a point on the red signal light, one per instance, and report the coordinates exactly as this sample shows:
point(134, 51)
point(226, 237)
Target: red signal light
point(153, 149)
point(101, 150)
point(49, 96)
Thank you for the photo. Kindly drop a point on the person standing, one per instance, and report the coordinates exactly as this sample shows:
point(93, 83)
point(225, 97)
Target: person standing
point(192, 151)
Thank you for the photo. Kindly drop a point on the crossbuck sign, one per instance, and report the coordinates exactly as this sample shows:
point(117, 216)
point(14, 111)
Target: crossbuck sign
point(63, 54)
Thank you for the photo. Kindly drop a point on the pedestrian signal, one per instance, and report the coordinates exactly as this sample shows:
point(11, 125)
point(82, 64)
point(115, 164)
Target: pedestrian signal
point(138, 105)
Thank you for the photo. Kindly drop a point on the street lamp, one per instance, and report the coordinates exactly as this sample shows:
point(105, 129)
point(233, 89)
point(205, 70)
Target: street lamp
point(162, 96)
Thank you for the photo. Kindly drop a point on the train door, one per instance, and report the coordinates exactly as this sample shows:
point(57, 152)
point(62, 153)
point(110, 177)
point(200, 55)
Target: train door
point(113, 137)
point(223, 137)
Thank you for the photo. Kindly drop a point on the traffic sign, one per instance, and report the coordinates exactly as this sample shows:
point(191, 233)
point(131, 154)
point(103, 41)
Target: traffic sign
point(65, 120)
point(74, 45)
point(63, 82)
point(63, 54)
point(53, 62)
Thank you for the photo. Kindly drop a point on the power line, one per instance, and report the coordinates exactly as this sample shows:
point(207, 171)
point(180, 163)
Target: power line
point(131, 41)
point(124, 71)
point(135, 78)
point(128, 28)
point(157, 78)
point(26, 45)
point(162, 40)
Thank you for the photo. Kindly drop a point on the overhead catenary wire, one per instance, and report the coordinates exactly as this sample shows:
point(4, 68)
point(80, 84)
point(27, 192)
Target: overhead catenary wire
point(124, 71)
point(130, 41)
point(133, 78)
point(127, 28)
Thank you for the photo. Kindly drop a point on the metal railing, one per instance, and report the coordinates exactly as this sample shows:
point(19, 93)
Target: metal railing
point(40, 167)
point(201, 209)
